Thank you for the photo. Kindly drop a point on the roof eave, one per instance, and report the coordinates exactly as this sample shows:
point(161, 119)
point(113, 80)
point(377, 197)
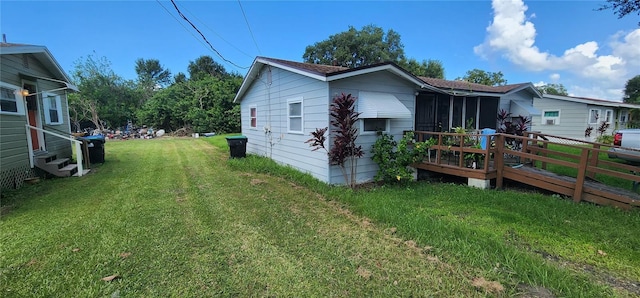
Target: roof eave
point(34, 49)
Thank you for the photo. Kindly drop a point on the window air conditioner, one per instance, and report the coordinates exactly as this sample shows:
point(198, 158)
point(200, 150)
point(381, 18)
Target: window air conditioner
point(551, 121)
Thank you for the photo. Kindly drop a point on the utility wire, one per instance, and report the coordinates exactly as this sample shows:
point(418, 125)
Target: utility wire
point(216, 33)
point(203, 37)
point(251, 32)
point(181, 24)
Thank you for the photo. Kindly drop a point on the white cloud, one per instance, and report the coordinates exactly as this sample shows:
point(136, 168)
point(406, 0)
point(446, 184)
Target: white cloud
point(538, 84)
point(512, 36)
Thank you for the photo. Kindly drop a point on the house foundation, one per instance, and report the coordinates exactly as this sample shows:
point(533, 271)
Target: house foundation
point(479, 183)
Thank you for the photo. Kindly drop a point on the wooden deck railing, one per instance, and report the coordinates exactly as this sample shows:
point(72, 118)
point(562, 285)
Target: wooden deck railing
point(513, 157)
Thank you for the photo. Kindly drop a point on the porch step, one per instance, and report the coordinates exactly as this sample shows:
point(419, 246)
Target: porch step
point(57, 167)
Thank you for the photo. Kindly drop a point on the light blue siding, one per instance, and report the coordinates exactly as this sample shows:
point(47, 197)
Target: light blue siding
point(271, 101)
point(375, 82)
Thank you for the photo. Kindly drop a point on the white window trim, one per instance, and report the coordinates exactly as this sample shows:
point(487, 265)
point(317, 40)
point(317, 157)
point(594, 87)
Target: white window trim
point(589, 116)
point(294, 101)
point(251, 117)
point(556, 119)
point(624, 114)
point(19, 100)
point(610, 113)
point(47, 108)
point(387, 127)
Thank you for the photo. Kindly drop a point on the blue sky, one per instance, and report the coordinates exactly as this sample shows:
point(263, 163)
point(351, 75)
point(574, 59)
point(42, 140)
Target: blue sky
point(593, 53)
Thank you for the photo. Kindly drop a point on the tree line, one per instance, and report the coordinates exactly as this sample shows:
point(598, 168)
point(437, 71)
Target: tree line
point(201, 101)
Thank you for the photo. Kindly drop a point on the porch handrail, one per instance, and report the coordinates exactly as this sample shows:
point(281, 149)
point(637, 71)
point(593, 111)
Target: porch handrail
point(76, 142)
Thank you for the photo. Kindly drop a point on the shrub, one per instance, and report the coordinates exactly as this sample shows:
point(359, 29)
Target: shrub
point(344, 152)
point(393, 158)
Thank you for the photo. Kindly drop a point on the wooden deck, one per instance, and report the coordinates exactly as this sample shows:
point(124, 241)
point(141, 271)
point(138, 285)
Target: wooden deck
point(525, 159)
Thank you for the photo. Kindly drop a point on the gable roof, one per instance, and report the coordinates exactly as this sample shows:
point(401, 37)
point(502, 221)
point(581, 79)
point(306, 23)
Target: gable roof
point(325, 73)
point(593, 101)
point(44, 56)
point(329, 73)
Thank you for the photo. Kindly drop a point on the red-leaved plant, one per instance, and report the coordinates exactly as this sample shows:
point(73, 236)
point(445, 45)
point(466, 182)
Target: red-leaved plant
point(344, 151)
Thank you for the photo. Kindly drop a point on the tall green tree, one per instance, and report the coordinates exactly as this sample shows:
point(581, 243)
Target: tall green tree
point(632, 90)
point(180, 77)
point(151, 77)
point(622, 8)
point(104, 98)
point(355, 48)
point(479, 76)
point(427, 68)
point(205, 66)
point(553, 89)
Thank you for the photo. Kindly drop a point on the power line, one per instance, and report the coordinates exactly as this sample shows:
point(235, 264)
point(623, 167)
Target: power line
point(216, 33)
point(250, 31)
point(181, 24)
point(203, 37)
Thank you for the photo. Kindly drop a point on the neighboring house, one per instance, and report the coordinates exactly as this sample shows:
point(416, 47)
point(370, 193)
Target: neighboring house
point(282, 102)
point(570, 117)
point(33, 91)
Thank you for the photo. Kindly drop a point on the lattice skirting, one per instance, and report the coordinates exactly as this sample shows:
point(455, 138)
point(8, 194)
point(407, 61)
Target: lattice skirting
point(14, 178)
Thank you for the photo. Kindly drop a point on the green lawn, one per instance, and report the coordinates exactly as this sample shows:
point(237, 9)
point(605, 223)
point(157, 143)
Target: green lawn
point(175, 217)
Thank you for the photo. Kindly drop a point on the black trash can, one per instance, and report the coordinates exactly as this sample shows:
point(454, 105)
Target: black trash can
point(237, 146)
point(95, 146)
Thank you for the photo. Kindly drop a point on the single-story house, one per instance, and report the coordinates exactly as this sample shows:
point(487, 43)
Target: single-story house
point(569, 116)
point(282, 102)
point(33, 92)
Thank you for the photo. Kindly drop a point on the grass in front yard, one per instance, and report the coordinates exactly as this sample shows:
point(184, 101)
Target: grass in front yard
point(170, 218)
point(176, 217)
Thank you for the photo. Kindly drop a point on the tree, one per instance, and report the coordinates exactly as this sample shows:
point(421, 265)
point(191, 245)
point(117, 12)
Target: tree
point(622, 8)
point(426, 68)
point(151, 73)
point(179, 78)
point(355, 48)
point(632, 90)
point(553, 89)
point(151, 77)
point(205, 66)
point(483, 77)
point(104, 97)
point(203, 105)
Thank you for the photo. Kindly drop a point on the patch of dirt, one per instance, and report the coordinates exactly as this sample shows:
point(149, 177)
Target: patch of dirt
point(492, 287)
point(527, 291)
point(256, 182)
point(364, 273)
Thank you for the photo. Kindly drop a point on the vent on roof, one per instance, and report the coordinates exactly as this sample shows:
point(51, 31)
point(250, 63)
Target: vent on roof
point(551, 121)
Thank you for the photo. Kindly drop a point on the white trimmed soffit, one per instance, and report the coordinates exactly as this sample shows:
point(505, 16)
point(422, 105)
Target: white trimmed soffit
point(613, 104)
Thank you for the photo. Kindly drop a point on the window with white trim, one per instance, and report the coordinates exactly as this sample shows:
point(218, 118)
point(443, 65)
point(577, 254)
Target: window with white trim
point(10, 100)
point(52, 109)
point(253, 115)
point(550, 117)
point(375, 125)
point(608, 116)
point(624, 115)
point(594, 116)
point(294, 115)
